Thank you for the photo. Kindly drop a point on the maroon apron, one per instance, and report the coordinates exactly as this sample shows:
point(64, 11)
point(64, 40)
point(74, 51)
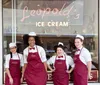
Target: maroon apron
point(14, 68)
point(35, 73)
point(60, 76)
point(80, 71)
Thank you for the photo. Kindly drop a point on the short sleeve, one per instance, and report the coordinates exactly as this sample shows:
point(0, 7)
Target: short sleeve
point(87, 56)
point(21, 60)
point(42, 54)
point(51, 60)
point(71, 62)
point(7, 59)
point(25, 54)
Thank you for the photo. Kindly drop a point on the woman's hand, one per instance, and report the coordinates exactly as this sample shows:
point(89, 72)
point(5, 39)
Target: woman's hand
point(11, 81)
point(52, 70)
point(21, 80)
point(90, 76)
point(68, 71)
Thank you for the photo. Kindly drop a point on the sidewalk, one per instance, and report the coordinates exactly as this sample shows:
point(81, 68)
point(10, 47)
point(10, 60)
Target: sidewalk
point(72, 84)
point(88, 84)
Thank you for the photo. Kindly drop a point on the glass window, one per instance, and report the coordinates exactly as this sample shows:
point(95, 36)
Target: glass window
point(52, 23)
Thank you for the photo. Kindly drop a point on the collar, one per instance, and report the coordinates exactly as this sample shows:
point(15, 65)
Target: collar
point(80, 48)
point(61, 55)
point(14, 53)
point(32, 47)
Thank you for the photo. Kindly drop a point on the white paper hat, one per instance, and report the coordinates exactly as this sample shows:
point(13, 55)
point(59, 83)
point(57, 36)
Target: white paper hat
point(60, 43)
point(11, 45)
point(32, 34)
point(80, 36)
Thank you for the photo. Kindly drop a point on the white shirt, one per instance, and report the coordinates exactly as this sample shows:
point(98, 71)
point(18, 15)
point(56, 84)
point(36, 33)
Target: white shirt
point(38, 49)
point(69, 60)
point(15, 56)
point(85, 55)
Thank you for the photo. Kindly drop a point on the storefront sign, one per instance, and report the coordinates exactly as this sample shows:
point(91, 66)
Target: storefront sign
point(71, 14)
point(51, 24)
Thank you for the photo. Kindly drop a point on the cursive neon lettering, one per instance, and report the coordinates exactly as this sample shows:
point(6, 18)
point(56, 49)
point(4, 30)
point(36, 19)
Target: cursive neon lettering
point(24, 12)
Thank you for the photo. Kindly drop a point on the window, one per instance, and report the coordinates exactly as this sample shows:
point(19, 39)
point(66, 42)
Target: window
point(53, 23)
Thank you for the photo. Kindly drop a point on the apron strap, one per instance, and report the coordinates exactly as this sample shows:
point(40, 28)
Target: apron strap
point(80, 51)
point(38, 52)
point(37, 48)
point(18, 56)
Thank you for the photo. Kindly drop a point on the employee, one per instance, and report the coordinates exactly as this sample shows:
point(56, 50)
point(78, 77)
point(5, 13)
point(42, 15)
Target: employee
point(35, 67)
point(13, 63)
point(82, 60)
point(61, 62)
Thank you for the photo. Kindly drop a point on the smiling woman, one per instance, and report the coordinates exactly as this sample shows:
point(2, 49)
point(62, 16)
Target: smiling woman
point(13, 63)
point(83, 62)
point(35, 67)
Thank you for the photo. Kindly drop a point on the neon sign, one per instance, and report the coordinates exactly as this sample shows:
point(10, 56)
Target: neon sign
point(72, 14)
